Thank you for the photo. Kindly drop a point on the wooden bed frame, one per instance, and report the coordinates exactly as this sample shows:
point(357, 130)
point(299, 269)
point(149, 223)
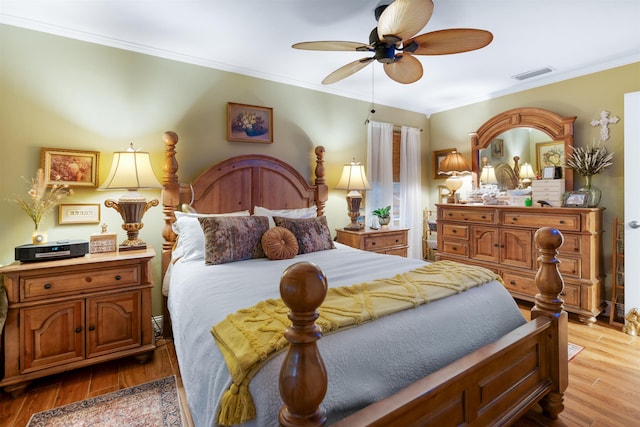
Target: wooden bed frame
point(496, 384)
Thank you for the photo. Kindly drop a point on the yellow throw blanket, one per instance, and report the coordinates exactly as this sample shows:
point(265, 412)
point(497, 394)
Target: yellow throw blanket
point(249, 337)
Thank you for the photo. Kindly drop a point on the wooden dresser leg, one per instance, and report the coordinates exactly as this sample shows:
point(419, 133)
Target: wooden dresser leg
point(144, 357)
point(17, 390)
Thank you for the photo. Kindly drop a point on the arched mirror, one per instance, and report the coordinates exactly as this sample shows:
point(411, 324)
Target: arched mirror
point(535, 136)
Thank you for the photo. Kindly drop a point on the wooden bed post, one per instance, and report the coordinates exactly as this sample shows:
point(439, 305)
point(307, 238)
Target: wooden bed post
point(550, 304)
point(170, 200)
point(322, 192)
point(303, 378)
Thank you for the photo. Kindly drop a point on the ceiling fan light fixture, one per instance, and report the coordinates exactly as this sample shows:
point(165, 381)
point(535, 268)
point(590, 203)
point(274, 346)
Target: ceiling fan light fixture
point(532, 73)
point(394, 42)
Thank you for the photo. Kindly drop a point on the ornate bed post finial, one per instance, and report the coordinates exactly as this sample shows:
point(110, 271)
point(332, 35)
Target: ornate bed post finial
point(550, 304)
point(322, 193)
point(303, 378)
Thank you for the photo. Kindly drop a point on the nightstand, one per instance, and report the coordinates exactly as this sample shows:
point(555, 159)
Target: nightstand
point(67, 314)
point(393, 241)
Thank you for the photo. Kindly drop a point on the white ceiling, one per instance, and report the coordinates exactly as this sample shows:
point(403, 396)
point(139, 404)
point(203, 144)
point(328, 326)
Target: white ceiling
point(254, 37)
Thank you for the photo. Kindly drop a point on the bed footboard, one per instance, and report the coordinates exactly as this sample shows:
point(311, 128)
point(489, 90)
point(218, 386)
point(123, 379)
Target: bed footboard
point(496, 384)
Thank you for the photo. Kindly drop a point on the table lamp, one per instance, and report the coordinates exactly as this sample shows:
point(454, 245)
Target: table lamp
point(354, 180)
point(454, 165)
point(488, 175)
point(526, 174)
point(131, 170)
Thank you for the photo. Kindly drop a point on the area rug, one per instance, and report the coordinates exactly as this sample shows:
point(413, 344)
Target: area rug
point(153, 404)
point(574, 349)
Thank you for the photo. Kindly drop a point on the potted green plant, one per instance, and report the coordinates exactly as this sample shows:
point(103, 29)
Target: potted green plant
point(383, 214)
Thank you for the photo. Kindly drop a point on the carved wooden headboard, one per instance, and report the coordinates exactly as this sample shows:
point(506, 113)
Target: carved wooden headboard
point(235, 184)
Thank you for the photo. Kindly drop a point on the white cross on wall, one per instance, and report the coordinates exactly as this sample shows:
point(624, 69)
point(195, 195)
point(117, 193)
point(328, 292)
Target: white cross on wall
point(604, 122)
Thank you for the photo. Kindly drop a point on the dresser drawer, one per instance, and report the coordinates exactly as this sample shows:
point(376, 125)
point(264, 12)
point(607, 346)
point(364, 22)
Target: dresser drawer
point(481, 216)
point(526, 285)
point(570, 266)
point(569, 222)
point(572, 244)
point(520, 283)
point(384, 241)
point(455, 247)
point(455, 231)
point(571, 294)
point(38, 287)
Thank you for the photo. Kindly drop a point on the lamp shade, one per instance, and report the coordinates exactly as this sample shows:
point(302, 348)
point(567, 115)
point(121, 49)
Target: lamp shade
point(526, 171)
point(453, 163)
point(488, 175)
point(130, 170)
point(353, 178)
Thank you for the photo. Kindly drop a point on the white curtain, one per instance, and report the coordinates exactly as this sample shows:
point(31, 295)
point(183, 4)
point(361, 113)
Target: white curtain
point(411, 189)
point(379, 167)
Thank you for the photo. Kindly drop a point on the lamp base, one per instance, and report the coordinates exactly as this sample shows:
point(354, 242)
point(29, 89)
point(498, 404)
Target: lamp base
point(138, 247)
point(354, 228)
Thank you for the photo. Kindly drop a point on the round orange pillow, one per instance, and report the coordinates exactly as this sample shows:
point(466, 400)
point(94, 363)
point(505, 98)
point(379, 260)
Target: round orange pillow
point(279, 243)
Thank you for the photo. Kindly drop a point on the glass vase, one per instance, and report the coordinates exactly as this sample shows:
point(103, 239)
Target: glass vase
point(594, 192)
point(38, 237)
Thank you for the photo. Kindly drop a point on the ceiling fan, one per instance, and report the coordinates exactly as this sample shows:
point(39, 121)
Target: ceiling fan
point(393, 42)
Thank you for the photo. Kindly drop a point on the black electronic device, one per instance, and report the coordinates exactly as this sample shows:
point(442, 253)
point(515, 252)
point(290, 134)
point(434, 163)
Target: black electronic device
point(59, 249)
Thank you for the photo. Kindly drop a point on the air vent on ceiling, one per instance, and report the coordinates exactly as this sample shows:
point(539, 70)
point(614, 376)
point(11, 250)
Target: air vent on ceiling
point(534, 73)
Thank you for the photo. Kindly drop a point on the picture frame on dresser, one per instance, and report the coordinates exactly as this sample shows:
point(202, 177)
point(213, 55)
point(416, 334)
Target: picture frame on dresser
point(575, 199)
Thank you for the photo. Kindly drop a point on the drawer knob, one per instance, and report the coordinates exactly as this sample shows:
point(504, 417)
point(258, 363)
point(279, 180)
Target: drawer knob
point(483, 217)
point(563, 294)
point(512, 282)
point(88, 279)
point(397, 240)
point(118, 277)
point(47, 286)
point(514, 219)
point(92, 328)
point(454, 231)
point(78, 330)
point(562, 221)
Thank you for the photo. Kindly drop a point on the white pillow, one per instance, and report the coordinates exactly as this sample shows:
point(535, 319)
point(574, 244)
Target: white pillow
point(190, 245)
point(309, 212)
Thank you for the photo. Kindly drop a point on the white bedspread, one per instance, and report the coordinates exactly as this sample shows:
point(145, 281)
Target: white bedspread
point(363, 364)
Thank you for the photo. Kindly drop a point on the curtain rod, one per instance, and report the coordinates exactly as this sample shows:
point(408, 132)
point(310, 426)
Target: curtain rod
point(395, 127)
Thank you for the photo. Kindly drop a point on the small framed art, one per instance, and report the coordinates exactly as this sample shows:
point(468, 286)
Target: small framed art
point(438, 157)
point(497, 148)
point(70, 167)
point(575, 199)
point(79, 214)
point(249, 123)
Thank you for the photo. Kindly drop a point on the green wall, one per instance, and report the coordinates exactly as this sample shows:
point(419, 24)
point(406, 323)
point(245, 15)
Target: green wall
point(584, 97)
point(63, 93)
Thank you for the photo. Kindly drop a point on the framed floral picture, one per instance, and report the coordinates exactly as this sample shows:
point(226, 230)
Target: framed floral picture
point(550, 154)
point(249, 123)
point(76, 168)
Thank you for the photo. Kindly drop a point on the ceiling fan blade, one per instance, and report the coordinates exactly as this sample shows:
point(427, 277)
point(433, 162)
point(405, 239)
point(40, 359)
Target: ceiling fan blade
point(332, 45)
point(406, 70)
point(454, 40)
point(347, 70)
point(404, 18)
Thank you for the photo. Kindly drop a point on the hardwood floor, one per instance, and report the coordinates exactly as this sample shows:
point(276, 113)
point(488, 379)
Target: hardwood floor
point(604, 381)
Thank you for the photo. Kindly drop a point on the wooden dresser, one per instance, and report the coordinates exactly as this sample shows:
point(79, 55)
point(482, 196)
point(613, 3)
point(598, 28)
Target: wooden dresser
point(393, 241)
point(500, 238)
point(66, 314)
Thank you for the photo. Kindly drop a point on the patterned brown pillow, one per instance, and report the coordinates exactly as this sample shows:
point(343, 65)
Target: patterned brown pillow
point(279, 243)
point(233, 238)
point(312, 233)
